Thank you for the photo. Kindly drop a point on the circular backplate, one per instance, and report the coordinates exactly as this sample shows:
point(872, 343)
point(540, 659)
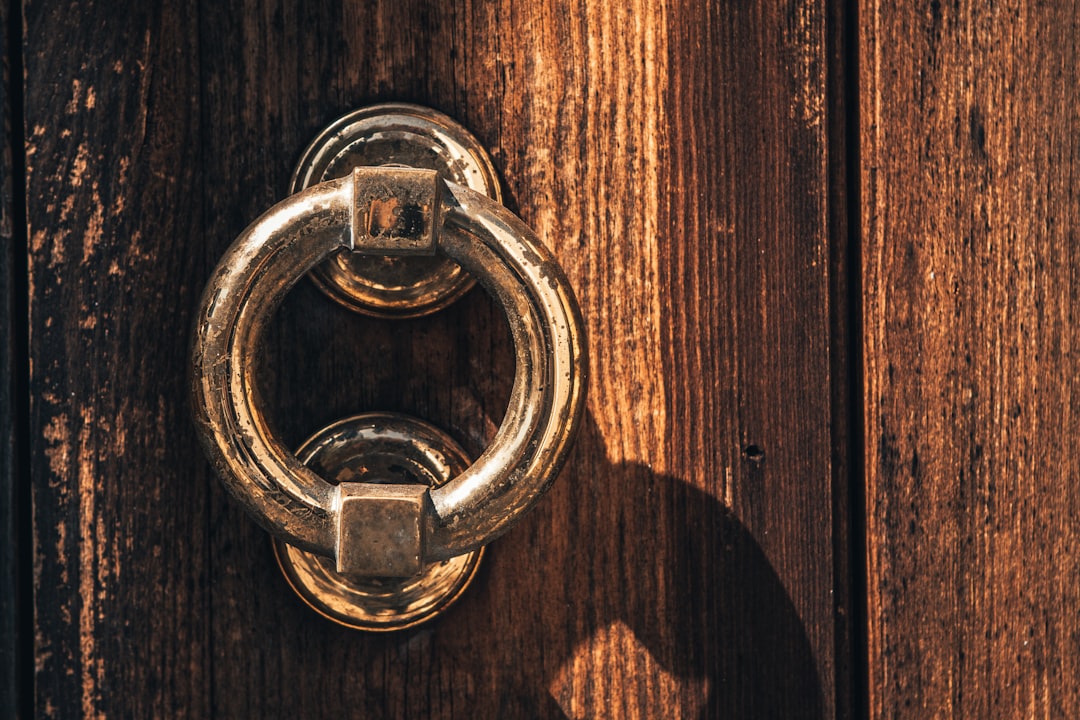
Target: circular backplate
point(387, 448)
point(395, 134)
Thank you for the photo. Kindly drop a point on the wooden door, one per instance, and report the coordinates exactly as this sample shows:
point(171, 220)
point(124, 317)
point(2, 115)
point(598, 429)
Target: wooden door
point(824, 253)
point(673, 159)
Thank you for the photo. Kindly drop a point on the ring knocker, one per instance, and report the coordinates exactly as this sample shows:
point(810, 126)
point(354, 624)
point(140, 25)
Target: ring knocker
point(403, 232)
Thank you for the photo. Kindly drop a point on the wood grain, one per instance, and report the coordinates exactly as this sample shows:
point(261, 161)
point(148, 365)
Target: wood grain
point(969, 144)
point(114, 201)
point(674, 157)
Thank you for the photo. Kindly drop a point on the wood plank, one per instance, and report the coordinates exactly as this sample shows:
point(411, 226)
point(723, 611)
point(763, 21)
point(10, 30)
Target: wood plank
point(114, 201)
point(969, 144)
point(673, 156)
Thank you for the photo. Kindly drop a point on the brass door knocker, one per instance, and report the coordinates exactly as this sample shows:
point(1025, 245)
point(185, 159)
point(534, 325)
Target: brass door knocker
point(389, 551)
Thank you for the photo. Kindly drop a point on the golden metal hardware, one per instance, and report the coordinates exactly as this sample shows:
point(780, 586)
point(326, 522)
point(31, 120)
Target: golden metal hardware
point(372, 448)
point(404, 135)
point(396, 529)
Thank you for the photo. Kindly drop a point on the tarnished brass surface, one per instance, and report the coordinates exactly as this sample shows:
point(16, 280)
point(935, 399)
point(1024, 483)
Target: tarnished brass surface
point(381, 530)
point(365, 451)
point(395, 134)
point(396, 211)
point(478, 233)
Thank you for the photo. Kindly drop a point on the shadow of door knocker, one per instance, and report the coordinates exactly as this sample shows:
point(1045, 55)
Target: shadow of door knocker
point(380, 519)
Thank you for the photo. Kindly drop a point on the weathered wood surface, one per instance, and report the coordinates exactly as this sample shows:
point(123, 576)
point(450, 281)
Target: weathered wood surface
point(673, 157)
point(115, 205)
point(971, 273)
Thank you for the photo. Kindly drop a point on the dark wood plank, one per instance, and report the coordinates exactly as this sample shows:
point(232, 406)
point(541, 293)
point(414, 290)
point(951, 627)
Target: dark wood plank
point(674, 159)
point(114, 203)
point(969, 142)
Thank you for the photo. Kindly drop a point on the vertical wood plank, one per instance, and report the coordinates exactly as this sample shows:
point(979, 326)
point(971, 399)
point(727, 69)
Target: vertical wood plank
point(745, 303)
point(969, 143)
point(673, 156)
point(114, 202)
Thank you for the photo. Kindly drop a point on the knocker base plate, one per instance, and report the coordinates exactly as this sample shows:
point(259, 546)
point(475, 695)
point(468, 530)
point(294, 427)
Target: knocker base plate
point(389, 448)
point(395, 134)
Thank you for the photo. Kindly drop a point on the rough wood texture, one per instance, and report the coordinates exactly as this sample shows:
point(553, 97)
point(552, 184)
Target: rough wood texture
point(674, 158)
point(969, 142)
point(114, 198)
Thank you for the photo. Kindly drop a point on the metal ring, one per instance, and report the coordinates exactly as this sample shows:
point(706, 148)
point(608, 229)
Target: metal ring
point(389, 211)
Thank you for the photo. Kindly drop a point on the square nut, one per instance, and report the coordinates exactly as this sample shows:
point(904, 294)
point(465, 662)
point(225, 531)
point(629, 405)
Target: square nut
point(381, 530)
point(395, 210)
